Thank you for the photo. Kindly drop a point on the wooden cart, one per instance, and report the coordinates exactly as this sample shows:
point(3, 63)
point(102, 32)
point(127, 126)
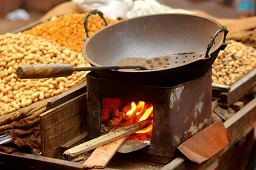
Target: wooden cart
point(240, 128)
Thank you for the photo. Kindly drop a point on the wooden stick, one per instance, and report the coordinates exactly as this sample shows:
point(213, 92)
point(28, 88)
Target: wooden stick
point(103, 154)
point(104, 139)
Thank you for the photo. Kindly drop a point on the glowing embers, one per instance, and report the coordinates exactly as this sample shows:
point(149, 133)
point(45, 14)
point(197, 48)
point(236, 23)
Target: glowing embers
point(118, 113)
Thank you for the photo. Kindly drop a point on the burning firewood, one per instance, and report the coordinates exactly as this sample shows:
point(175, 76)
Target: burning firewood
point(109, 105)
point(105, 139)
point(116, 119)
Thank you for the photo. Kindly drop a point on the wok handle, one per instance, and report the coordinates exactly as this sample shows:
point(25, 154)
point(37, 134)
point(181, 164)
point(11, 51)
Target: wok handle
point(60, 70)
point(44, 71)
point(95, 11)
point(222, 29)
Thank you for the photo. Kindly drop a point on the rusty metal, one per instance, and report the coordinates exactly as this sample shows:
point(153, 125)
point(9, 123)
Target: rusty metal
point(131, 146)
point(179, 111)
point(206, 143)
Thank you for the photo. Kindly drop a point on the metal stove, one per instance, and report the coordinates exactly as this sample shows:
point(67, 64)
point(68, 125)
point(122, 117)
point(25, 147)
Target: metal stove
point(180, 111)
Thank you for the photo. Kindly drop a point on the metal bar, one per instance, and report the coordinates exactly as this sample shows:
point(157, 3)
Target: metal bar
point(6, 138)
point(109, 68)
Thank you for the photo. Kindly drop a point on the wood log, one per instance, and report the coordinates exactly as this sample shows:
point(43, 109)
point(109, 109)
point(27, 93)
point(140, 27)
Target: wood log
point(103, 154)
point(105, 139)
point(224, 114)
point(237, 106)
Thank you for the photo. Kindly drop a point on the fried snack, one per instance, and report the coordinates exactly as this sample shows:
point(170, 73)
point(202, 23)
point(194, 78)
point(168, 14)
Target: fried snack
point(68, 30)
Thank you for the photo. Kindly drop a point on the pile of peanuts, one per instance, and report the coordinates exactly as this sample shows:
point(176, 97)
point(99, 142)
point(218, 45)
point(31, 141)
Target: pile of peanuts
point(232, 63)
point(23, 49)
point(68, 30)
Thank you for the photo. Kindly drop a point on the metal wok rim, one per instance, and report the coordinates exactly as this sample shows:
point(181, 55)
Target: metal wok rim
point(93, 63)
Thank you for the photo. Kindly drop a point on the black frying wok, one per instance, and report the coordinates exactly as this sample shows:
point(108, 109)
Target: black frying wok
point(155, 36)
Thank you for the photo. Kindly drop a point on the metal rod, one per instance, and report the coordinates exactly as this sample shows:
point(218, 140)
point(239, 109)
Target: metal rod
point(5, 138)
point(109, 68)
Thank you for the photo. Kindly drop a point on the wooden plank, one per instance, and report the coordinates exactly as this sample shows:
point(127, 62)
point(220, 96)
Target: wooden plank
point(67, 95)
point(73, 142)
point(220, 87)
point(104, 139)
point(237, 127)
point(239, 89)
point(237, 106)
point(103, 154)
point(242, 122)
point(237, 157)
point(224, 114)
point(61, 124)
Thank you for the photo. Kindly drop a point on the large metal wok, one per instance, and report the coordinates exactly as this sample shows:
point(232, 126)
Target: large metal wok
point(165, 49)
point(185, 45)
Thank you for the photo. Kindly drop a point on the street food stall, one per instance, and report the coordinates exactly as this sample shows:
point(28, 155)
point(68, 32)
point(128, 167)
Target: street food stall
point(173, 90)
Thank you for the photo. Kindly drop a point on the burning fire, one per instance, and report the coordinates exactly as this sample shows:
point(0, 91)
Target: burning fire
point(147, 129)
point(118, 113)
point(142, 111)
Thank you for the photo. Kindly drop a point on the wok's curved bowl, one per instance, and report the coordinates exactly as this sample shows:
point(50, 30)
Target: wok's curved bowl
point(155, 36)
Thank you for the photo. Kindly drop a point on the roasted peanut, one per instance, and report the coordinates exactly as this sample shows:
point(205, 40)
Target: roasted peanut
point(16, 93)
point(232, 63)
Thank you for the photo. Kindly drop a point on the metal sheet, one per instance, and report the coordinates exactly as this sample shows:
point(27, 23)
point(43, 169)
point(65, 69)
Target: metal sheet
point(179, 111)
point(206, 143)
point(131, 145)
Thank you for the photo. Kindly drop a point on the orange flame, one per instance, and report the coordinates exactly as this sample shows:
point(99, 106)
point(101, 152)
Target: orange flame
point(140, 107)
point(131, 112)
point(146, 129)
point(142, 111)
point(146, 114)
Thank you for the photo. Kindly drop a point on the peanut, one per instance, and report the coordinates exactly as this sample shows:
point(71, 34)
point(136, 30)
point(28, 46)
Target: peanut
point(20, 49)
point(232, 63)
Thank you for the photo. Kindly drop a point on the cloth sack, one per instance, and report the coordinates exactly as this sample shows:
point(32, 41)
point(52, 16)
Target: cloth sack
point(110, 8)
point(149, 7)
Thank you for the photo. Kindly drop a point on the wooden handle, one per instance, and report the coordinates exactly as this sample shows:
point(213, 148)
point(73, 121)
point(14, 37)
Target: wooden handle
point(44, 71)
